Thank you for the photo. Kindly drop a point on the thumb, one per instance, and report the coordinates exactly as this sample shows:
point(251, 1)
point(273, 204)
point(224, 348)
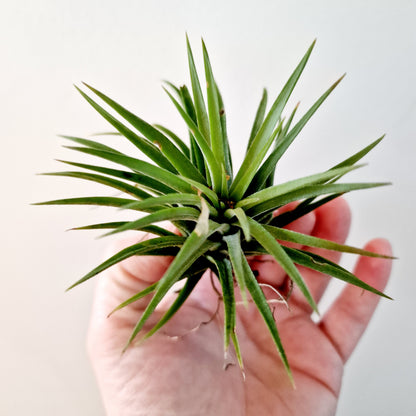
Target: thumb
point(122, 281)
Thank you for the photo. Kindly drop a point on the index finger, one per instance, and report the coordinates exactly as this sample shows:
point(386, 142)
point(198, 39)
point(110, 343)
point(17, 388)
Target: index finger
point(348, 317)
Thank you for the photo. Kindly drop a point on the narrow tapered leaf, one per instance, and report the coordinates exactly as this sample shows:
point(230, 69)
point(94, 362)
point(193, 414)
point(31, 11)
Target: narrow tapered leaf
point(216, 139)
point(150, 289)
point(308, 192)
point(305, 207)
point(196, 156)
point(265, 311)
point(323, 265)
point(90, 143)
point(188, 104)
point(224, 183)
point(167, 214)
point(138, 179)
point(293, 185)
point(277, 134)
point(260, 143)
point(270, 164)
point(212, 163)
point(155, 172)
point(316, 262)
point(193, 248)
point(173, 87)
point(190, 274)
point(249, 201)
point(359, 155)
point(104, 180)
point(147, 147)
point(181, 163)
point(169, 199)
point(106, 133)
point(237, 260)
point(254, 159)
point(289, 121)
point(198, 160)
point(225, 275)
point(202, 226)
point(152, 229)
point(282, 134)
point(242, 219)
point(237, 349)
point(227, 151)
point(310, 204)
point(200, 109)
point(107, 201)
point(310, 241)
point(143, 248)
point(178, 141)
point(275, 249)
point(183, 294)
point(100, 226)
point(259, 118)
point(209, 193)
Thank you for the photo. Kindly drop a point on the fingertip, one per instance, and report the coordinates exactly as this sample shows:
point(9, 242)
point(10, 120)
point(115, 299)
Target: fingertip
point(380, 246)
point(304, 224)
point(286, 208)
point(333, 220)
point(338, 206)
point(348, 317)
point(375, 271)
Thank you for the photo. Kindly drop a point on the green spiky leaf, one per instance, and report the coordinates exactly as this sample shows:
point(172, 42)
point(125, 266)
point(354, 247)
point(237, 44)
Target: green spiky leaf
point(261, 142)
point(220, 219)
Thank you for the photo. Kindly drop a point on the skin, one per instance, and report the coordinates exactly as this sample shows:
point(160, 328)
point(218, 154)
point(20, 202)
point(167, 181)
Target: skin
point(180, 369)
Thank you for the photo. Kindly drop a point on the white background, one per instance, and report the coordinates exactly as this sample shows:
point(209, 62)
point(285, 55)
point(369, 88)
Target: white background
point(126, 48)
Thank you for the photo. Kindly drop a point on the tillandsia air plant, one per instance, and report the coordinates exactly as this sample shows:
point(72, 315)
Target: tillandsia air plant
point(221, 217)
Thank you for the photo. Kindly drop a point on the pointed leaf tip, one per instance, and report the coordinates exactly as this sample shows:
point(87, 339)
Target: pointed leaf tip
point(339, 79)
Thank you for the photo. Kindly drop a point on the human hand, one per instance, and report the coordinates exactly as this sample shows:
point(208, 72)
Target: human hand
point(180, 370)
